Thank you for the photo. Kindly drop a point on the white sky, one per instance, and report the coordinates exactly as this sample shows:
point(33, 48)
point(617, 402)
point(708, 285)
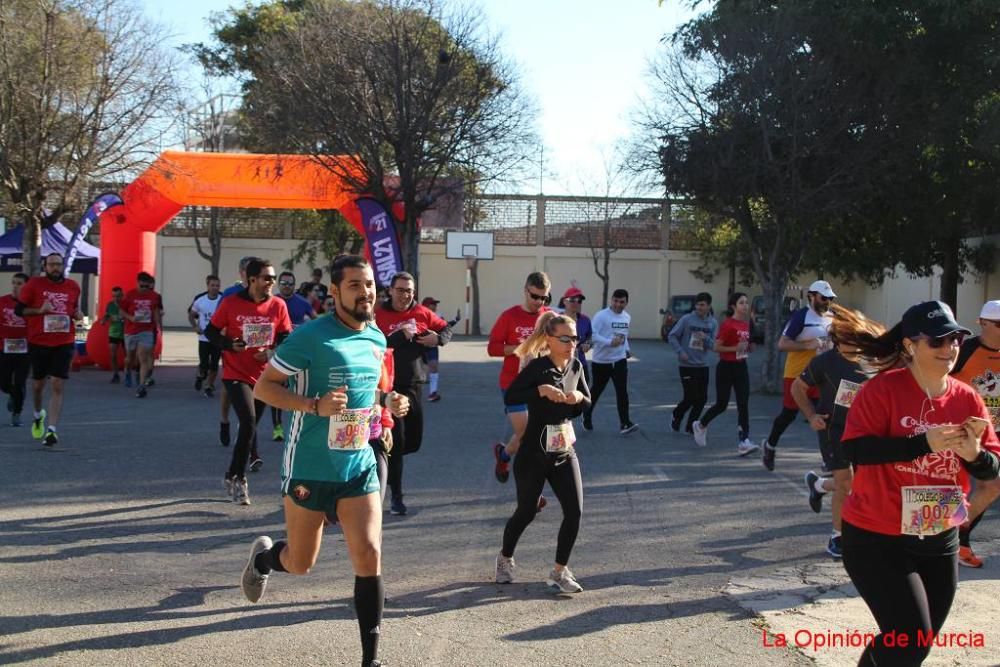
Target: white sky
point(583, 62)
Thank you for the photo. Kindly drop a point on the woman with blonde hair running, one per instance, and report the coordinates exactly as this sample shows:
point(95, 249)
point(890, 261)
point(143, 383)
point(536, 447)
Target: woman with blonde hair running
point(553, 386)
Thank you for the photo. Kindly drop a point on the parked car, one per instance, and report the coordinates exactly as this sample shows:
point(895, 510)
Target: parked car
point(677, 307)
point(758, 315)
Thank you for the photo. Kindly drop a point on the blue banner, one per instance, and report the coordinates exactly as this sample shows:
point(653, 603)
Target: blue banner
point(94, 211)
point(383, 244)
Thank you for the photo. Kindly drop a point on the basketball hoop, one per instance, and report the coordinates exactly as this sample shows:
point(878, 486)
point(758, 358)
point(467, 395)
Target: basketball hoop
point(470, 261)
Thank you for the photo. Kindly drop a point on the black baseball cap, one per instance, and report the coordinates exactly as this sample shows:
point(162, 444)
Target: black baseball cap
point(931, 318)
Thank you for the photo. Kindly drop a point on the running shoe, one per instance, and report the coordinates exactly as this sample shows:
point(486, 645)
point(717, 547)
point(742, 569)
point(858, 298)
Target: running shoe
point(197, 383)
point(767, 455)
point(628, 427)
point(209, 391)
point(224, 434)
point(38, 426)
point(141, 391)
point(502, 468)
point(745, 447)
point(396, 506)
point(833, 547)
point(588, 424)
point(241, 492)
point(968, 559)
point(277, 433)
point(150, 381)
point(433, 397)
point(229, 484)
point(115, 379)
point(505, 569)
point(51, 439)
point(256, 463)
point(815, 497)
point(700, 434)
point(128, 379)
point(253, 582)
point(563, 581)
point(542, 502)
point(15, 419)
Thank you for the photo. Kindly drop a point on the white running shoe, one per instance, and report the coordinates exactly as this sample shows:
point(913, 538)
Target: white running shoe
point(563, 581)
point(700, 434)
point(505, 569)
point(241, 492)
point(253, 582)
point(746, 447)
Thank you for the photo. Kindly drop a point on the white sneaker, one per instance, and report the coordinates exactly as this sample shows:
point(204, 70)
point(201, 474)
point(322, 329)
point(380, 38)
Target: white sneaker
point(229, 484)
point(745, 447)
point(253, 582)
point(700, 434)
point(505, 569)
point(563, 581)
point(241, 492)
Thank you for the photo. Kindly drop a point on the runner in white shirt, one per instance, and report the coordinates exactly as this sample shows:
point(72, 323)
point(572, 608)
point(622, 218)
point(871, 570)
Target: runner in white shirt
point(199, 315)
point(609, 360)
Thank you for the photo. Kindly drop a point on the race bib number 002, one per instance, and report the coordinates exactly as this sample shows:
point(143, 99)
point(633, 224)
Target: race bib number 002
point(930, 510)
point(15, 345)
point(258, 334)
point(349, 429)
point(846, 393)
point(55, 323)
point(559, 437)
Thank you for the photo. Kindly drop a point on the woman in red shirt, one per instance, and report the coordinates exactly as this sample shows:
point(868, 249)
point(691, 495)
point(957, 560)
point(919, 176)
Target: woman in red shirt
point(914, 434)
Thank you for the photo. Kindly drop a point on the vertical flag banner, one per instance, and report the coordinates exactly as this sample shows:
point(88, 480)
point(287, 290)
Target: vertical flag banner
point(383, 244)
point(94, 211)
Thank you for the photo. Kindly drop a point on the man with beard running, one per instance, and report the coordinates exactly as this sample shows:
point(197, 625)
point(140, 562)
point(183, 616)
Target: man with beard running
point(805, 336)
point(332, 366)
point(254, 323)
point(51, 306)
point(410, 330)
point(14, 360)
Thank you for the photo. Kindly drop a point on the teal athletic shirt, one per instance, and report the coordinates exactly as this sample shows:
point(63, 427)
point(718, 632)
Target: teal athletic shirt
point(320, 356)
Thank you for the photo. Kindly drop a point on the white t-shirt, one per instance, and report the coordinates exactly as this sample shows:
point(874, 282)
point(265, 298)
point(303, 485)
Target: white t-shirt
point(205, 308)
point(607, 324)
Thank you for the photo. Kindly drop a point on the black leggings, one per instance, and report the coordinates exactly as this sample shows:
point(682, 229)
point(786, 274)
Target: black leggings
point(906, 592)
point(694, 380)
point(407, 437)
point(618, 374)
point(781, 422)
point(530, 474)
point(731, 376)
point(14, 377)
point(382, 463)
point(248, 411)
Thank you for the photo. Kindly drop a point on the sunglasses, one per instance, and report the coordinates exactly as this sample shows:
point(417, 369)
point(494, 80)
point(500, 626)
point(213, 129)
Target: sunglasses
point(937, 343)
point(267, 277)
point(539, 297)
point(574, 299)
point(286, 283)
point(567, 339)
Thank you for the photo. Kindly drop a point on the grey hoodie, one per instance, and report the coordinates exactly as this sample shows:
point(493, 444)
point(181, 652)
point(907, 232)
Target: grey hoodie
point(695, 336)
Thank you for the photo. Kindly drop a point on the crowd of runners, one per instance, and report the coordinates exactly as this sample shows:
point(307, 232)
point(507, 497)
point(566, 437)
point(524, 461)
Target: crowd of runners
point(905, 415)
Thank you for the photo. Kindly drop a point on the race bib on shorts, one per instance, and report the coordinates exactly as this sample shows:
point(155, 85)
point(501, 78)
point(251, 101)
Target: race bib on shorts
point(15, 345)
point(930, 510)
point(349, 429)
point(559, 437)
point(257, 334)
point(55, 323)
point(846, 393)
point(143, 315)
point(697, 341)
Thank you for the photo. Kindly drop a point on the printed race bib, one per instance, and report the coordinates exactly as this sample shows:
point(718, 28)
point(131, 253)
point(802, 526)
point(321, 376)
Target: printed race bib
point(257, 334)
point(143, 315)
point(742, 350)
point(930, 510)
point(697, 341)
point(15, 345)
point(846, 393)
point(559, 438)
point(349, 429)
point(55, 323)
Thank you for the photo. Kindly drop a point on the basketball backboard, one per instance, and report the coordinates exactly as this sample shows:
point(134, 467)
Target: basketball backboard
point(459, 245)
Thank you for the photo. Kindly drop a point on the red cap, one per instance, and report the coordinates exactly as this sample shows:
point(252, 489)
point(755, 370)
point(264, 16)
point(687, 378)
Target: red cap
point(574, 291)
point(429, 301)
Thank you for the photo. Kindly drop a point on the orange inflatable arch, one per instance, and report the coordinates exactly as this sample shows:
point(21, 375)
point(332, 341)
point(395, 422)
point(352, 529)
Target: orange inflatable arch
point(228, 180)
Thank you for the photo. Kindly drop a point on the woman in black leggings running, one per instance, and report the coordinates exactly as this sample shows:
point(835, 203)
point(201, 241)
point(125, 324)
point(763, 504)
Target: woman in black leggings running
point(731, 374)
point(914, 435)
point(554, 388)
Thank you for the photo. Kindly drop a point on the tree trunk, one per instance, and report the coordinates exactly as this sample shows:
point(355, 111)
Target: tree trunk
point(476, 329)
point(950, 275)
point(215, 234)
point(31, 245)
point(774, 300)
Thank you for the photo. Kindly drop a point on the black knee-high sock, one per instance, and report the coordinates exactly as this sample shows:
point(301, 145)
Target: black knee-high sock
point(369, 596)
point(964, 533)
point(270, 559)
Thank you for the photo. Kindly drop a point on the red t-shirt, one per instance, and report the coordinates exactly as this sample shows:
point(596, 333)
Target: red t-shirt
point(390, 321)
point(732, 332)
point(141, 306)
point(55, 328)
point(513, 327)
point(892, 405)
point(12, 327)
point(258, 324)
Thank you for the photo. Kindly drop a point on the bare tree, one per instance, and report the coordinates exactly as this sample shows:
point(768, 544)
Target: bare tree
point(86, 90)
